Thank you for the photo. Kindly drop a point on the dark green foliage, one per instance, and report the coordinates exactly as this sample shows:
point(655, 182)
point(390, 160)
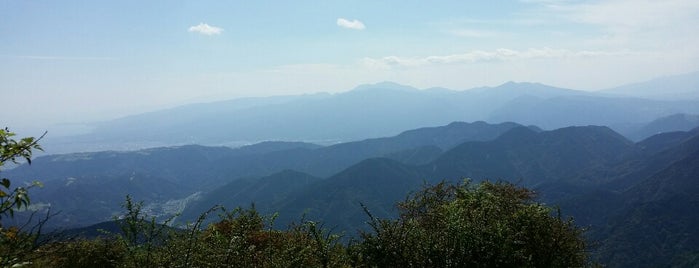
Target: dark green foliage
point(98, 253)
point(15, 197)
point(485, 225)
point(240, 238)
point(488, 225)
point(16, 243)
point(140, 235)
point(243, 238)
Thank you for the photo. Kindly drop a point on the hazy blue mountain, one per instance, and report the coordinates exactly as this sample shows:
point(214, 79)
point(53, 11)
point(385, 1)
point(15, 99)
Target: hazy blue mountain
point(377, 183)
point(675, 122)
point(677, 87)
point(88, 188)
point(571, 167)
point(416, 156)
point(179, 164)
point(173, 177)
point(659, 152)
point(377, 110)
point(529, 158)
point(512, 90)
point(657, 226)
point(263, 192)
point(374, 110)
point(445, 137)
point(521, 155)
point(624, 192)
point(411, 147)
point(664, 141)
point(167, 127)
point(326, 161)
point(556, 112)
point(275, 146)
point(87, 200)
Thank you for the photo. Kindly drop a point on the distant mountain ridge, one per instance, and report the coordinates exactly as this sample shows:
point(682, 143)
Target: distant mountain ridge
point(373, 110)
point(623, 180)
point(674, 122)
point(675, 87)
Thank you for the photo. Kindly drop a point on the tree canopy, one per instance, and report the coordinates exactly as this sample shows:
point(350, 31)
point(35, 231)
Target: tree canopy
point(466, 225)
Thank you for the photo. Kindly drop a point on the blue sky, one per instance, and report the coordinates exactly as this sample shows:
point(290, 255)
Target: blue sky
point(81, 61)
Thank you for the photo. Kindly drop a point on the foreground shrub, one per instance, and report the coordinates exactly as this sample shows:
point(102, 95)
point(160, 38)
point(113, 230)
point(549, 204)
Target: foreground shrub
point(485, 225)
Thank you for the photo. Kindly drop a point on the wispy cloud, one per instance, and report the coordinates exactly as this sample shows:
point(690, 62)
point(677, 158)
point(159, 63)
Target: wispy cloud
point(630, 13)
point(205, 29)
point(350, 24)
point(547, 2)
point(59, 58)
point(646, 23)
point(471, 33)
point(475, 56)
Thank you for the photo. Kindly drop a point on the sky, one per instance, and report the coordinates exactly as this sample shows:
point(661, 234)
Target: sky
point(71, 62)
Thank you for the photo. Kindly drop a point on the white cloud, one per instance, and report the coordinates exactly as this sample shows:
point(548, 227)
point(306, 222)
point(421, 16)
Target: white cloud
point(350, 24)
point(205, 29)
point(501, 54)
point(473, 33)
point(632, 13)
point(649, 24)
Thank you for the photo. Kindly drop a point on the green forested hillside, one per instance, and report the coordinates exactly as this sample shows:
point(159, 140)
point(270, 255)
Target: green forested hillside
point(659, 218)
point(675, 122)
point(265, 192)
point(629, 196)
point(172, 178)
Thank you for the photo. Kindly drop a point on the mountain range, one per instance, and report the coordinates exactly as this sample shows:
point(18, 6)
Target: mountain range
point(624, 192)
point(623, 165)
point(385, 109)
point(167, 177)
point(675, 87)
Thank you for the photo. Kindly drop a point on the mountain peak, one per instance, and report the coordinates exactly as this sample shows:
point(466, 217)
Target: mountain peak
point(522, 85)
point(531, 88)
point(511, 83)
point(384, 85)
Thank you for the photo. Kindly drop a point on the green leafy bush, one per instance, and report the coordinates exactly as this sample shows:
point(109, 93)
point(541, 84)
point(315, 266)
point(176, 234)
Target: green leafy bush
point(485, 225)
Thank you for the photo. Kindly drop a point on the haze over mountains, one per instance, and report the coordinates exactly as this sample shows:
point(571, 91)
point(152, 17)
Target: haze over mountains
point(625, 167)
point(322, 115)
point(676, 87)
point(605, 181)
point(197, 168)
point(386, 109)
